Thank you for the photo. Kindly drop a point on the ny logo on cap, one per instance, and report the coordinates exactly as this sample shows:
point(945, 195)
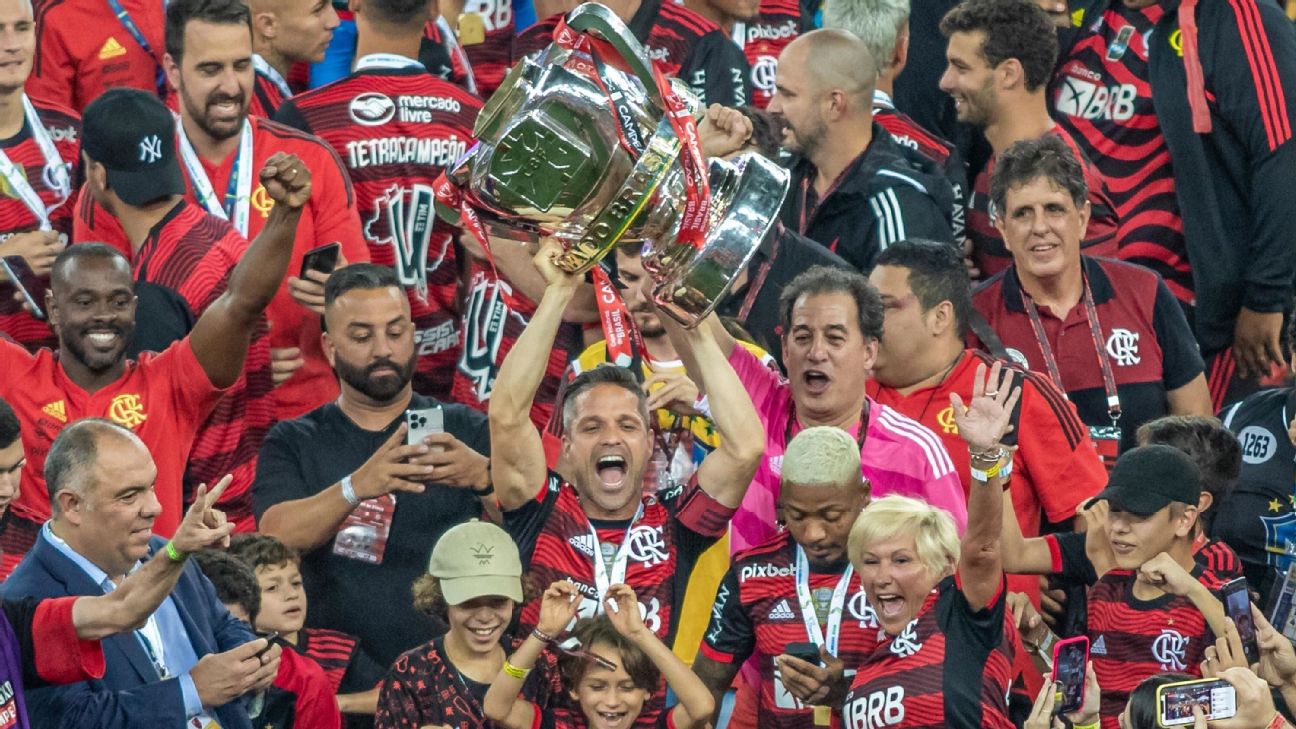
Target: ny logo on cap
point(150, 149)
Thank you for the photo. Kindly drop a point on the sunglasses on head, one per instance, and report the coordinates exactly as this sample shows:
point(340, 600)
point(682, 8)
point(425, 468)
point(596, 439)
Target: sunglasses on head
point(572, 647)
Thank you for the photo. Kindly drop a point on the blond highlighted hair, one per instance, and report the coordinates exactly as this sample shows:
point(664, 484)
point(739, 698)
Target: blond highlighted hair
point(824, 455)
point(935, 537)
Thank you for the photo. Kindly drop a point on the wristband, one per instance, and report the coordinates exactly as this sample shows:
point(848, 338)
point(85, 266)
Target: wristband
point(174, 554)
point(514, 671)
point(542, 636)
point(1094, 725)
point(986, 475)
point(1277, 722)
point(348, 491)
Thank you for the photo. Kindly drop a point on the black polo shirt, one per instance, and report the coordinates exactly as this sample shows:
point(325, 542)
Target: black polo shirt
point(1145, 334)
point(783, 255)
point(1257, 519)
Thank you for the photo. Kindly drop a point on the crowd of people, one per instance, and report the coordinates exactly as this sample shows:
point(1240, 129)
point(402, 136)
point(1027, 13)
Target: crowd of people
point(1007, 383)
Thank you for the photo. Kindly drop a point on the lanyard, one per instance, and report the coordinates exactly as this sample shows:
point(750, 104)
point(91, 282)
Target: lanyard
point(385, 60)
point(238, 191)
point(602, 580)
point(1095, 331)
point(151, 636)
point(264, 68)
point(133, 28)
point(859, 437)
point(755, 284)
point(56, 172)
point(829, 638)
point(805, 191)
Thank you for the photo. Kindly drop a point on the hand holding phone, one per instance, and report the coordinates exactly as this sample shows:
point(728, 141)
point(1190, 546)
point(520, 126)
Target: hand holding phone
point(423, 422)
point(29, 285)
point(270, 639)
point(1070, 657)
point(1237, 603)
point(323, 259)
point(1216, 698)
point(808, 652)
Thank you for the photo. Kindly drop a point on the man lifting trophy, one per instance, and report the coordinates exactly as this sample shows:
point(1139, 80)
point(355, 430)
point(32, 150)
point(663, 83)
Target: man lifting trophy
point(588, 143)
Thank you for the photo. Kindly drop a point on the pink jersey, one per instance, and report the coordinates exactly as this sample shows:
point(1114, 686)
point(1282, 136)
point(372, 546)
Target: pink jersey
point(900, 456)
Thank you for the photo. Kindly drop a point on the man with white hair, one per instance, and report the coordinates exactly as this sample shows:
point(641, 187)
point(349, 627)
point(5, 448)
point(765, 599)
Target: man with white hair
point(883, 26)
point(796, 587)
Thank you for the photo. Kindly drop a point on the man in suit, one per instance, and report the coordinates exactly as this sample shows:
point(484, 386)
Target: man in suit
point(191, 661)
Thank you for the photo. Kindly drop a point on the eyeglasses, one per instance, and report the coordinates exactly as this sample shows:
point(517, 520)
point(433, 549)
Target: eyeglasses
point(572, 647)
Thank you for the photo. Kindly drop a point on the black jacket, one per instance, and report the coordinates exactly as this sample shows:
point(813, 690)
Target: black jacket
point(881, 198)
point(1235, 163)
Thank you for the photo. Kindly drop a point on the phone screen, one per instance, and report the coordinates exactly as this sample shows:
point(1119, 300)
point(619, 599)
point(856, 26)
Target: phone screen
point(31, 286)
point(1237, 603)
point(323, 259)
point(1069, 671)
point(1215, 697)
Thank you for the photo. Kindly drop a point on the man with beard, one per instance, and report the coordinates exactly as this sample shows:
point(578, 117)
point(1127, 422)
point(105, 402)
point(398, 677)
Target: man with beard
point(1000, 57)
point(209, 63)
point(852, 191)
point(163, 398)
point(342, 485)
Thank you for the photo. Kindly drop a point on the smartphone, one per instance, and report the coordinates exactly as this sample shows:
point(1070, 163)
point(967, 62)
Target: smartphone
point(323, 259)
point(808, 652)
point(31, 286)
point(1237, 603)
point(270, 638)
point(1070, 657)
point(1175, 701)
point(423, 422)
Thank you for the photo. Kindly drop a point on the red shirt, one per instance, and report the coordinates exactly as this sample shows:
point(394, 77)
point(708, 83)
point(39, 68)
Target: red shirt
point(185, 263)
point(329, 216)
point(393, 164)
point(64, 128)
point(82, 50)
point(1055, 468)
point(301, 687)
point(493, 57)
point(163, 398)
point(763, 39)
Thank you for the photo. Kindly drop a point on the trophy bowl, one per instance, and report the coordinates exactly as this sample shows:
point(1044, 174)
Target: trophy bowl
point(584, 142)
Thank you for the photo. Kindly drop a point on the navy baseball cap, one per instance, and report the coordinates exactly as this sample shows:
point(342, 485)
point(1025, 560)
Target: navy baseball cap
point(1149, 478)
point(132, 134)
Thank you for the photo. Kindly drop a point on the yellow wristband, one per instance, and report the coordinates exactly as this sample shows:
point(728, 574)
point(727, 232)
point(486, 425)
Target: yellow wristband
point(514, 671)
point(174, 554)
point(1095, 725)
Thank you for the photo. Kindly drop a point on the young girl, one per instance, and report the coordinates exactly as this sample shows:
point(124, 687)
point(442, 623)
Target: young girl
point(608, 679)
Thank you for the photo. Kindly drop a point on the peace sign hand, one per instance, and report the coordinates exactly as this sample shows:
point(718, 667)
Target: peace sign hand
point(989, 417)
point(204, 525)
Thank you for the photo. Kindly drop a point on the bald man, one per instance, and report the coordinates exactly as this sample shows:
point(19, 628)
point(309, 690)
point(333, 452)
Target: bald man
point(283, 33)
point(798, 582)
point(853, 190)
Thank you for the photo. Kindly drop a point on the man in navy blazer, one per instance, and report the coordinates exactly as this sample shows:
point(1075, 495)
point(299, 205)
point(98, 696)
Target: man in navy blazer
point(191, 662)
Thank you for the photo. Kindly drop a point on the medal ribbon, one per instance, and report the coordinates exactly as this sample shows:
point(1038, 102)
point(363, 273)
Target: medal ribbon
point(824, 639)
point(56, 172)
point(238, 191)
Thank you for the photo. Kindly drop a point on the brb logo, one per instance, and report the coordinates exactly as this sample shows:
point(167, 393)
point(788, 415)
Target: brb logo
point(1169, 650)
point(884, 707)
point(1088, 100)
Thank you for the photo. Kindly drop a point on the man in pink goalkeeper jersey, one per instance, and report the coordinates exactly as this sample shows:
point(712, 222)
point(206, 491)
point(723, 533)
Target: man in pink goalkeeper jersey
point(831, 321)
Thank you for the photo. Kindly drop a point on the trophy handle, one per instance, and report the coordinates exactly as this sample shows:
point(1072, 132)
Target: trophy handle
point(596, 17)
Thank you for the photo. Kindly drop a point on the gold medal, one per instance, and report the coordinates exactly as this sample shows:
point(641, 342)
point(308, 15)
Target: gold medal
point(472, 29)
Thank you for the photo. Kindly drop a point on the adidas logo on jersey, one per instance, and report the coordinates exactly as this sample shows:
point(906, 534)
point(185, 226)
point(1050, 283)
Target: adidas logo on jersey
point(1099, 647)
point(583, 543)
point(56, 410)
point(782, 611)
point(111, 49)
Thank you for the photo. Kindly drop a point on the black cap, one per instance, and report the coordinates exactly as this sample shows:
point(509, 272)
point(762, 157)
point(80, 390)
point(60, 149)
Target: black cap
point(132, 134)
point(1148, 478)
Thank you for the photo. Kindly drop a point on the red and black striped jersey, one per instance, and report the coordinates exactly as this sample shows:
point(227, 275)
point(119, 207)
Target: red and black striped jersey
point(329, 216)
point(988, 250)
point(17, 537)
point(396, 129)
point(680, 42)
point(492, 57)
point(494, 315)
point(1103, 97)
point(757, 613)
point(950, 667)
point(64, 128)
point(764, 38)
point(266, 98)
point(181, 269)
point(559, 542)
point(1131, 639)
point(348, 668)
point(444, 58)
point(1220, 563)
point(424, 688)
point(299, 696)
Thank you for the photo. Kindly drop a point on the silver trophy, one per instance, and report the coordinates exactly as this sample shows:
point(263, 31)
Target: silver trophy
point(579, 143)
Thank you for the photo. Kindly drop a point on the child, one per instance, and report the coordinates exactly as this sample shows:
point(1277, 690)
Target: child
point(351, 673)
point(300, 695)
point(609, 679)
